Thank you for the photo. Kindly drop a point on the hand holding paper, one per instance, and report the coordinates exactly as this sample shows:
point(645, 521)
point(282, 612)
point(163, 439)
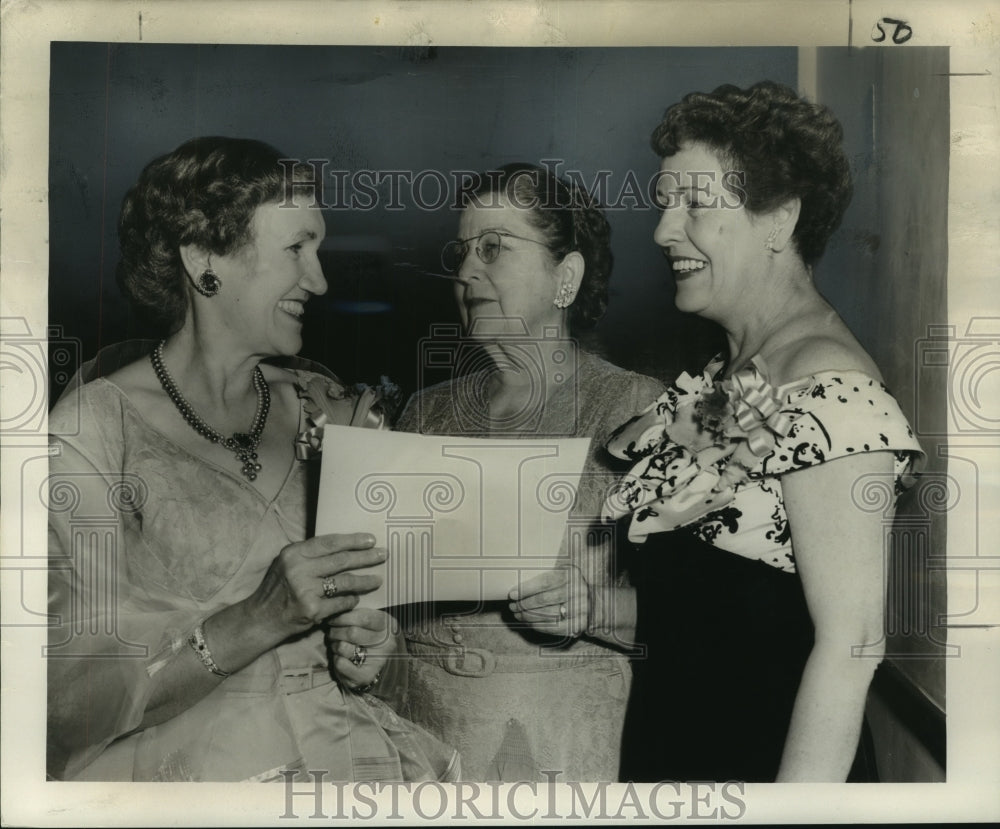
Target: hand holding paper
point(462, 518)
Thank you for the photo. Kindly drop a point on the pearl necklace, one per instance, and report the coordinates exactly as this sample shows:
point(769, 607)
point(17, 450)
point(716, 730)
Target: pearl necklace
point(243, 444)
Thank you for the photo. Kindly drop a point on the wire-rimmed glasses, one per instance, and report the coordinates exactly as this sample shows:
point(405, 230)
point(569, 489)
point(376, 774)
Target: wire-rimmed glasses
point(487, 248)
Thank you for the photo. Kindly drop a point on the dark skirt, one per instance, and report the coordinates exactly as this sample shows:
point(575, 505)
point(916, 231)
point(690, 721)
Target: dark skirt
point(727, 639)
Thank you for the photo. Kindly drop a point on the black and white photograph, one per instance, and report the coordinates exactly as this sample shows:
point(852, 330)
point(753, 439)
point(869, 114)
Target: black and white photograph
point(537, 412)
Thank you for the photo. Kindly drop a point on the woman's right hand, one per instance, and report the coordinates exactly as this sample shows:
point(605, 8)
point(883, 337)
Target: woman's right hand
point(312, 580)
point(289, 600)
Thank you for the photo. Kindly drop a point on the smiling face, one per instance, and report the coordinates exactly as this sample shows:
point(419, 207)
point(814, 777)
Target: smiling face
point(265, 285)
point(514, 294)
point(716, 248)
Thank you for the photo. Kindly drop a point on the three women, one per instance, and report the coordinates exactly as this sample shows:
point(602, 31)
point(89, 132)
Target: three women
point(759, 585)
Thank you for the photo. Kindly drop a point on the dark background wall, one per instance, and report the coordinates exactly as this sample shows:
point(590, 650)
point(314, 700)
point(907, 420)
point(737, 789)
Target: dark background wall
point(115, 107)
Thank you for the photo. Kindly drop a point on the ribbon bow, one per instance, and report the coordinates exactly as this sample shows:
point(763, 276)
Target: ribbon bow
point(326, 401)
point(757, 417)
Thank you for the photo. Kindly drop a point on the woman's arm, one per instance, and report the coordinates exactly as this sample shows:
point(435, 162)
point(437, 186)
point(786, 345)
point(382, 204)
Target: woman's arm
point(839, 552)
point(288, 601)
point(119, 658)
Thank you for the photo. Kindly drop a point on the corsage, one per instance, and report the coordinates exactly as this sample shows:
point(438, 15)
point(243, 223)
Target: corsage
point(328, 401)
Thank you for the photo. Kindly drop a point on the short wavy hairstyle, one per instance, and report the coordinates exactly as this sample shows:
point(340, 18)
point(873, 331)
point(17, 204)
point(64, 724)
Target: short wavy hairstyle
point(203, 193)
point(568, 218)
point(785, 146)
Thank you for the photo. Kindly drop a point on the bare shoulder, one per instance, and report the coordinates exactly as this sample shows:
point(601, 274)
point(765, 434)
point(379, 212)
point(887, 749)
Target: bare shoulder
point(822, 351)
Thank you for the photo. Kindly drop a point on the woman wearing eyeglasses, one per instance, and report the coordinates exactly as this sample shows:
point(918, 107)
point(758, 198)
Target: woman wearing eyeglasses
point(532, 264)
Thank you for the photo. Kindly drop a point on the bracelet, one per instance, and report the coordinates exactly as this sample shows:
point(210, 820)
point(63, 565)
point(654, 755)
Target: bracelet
point(364, 689)
point(197, 642)
point(593, 625)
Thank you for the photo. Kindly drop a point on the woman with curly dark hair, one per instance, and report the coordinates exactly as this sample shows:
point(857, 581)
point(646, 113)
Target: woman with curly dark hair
point(532, 265)
point(760, 575)
point(191, 637)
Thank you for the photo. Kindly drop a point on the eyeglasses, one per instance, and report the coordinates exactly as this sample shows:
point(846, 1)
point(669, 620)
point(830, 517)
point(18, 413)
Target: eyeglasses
point(487, 249)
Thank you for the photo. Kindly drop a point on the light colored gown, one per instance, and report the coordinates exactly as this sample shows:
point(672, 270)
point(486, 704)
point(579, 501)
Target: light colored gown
point(146, 540)
point(513, 702)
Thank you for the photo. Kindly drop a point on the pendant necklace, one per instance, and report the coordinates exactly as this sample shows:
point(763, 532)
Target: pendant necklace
point(242, 444)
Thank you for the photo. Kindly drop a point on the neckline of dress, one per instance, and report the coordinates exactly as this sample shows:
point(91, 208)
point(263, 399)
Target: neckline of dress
point(759, 364)
point(231, 476)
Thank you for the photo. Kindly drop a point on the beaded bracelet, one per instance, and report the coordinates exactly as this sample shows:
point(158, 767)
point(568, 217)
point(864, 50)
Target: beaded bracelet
point(364, 689)
point(197, 641)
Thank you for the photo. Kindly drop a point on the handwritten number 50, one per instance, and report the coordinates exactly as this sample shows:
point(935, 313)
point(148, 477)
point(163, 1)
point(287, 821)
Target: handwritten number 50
point(900, 34)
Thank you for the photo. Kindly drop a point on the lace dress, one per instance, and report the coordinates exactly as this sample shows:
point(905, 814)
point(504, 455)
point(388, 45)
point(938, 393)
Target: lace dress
point(513, 702)
point(721, 607)
point(145, 541)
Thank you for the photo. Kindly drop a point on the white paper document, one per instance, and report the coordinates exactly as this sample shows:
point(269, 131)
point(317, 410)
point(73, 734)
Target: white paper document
point(462, 518)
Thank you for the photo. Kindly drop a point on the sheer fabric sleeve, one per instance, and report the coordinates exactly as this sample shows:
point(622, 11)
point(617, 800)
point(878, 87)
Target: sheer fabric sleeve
point(107, 639)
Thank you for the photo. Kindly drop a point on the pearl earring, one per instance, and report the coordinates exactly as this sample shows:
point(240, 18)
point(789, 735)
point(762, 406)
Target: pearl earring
point(567, 292)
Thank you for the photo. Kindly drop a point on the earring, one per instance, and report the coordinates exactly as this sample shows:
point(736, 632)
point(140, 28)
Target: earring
point(208, 283)
point(771, 238)
point(567, 292)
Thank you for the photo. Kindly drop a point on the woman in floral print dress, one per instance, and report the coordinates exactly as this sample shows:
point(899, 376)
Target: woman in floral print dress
point(762, 597)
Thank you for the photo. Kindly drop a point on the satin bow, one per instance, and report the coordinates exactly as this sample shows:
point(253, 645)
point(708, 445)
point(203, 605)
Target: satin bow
point(328, 402)
point(758, 417)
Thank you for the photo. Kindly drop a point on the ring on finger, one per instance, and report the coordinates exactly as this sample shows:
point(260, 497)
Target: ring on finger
point(329, 587)
point(563, 612)
point(360, 655)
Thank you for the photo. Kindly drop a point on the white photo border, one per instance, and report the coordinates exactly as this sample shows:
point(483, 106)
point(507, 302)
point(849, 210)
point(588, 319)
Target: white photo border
point(969, 28)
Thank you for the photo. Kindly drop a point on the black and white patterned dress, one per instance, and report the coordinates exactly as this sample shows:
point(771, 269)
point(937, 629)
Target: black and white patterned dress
point(721, 607)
